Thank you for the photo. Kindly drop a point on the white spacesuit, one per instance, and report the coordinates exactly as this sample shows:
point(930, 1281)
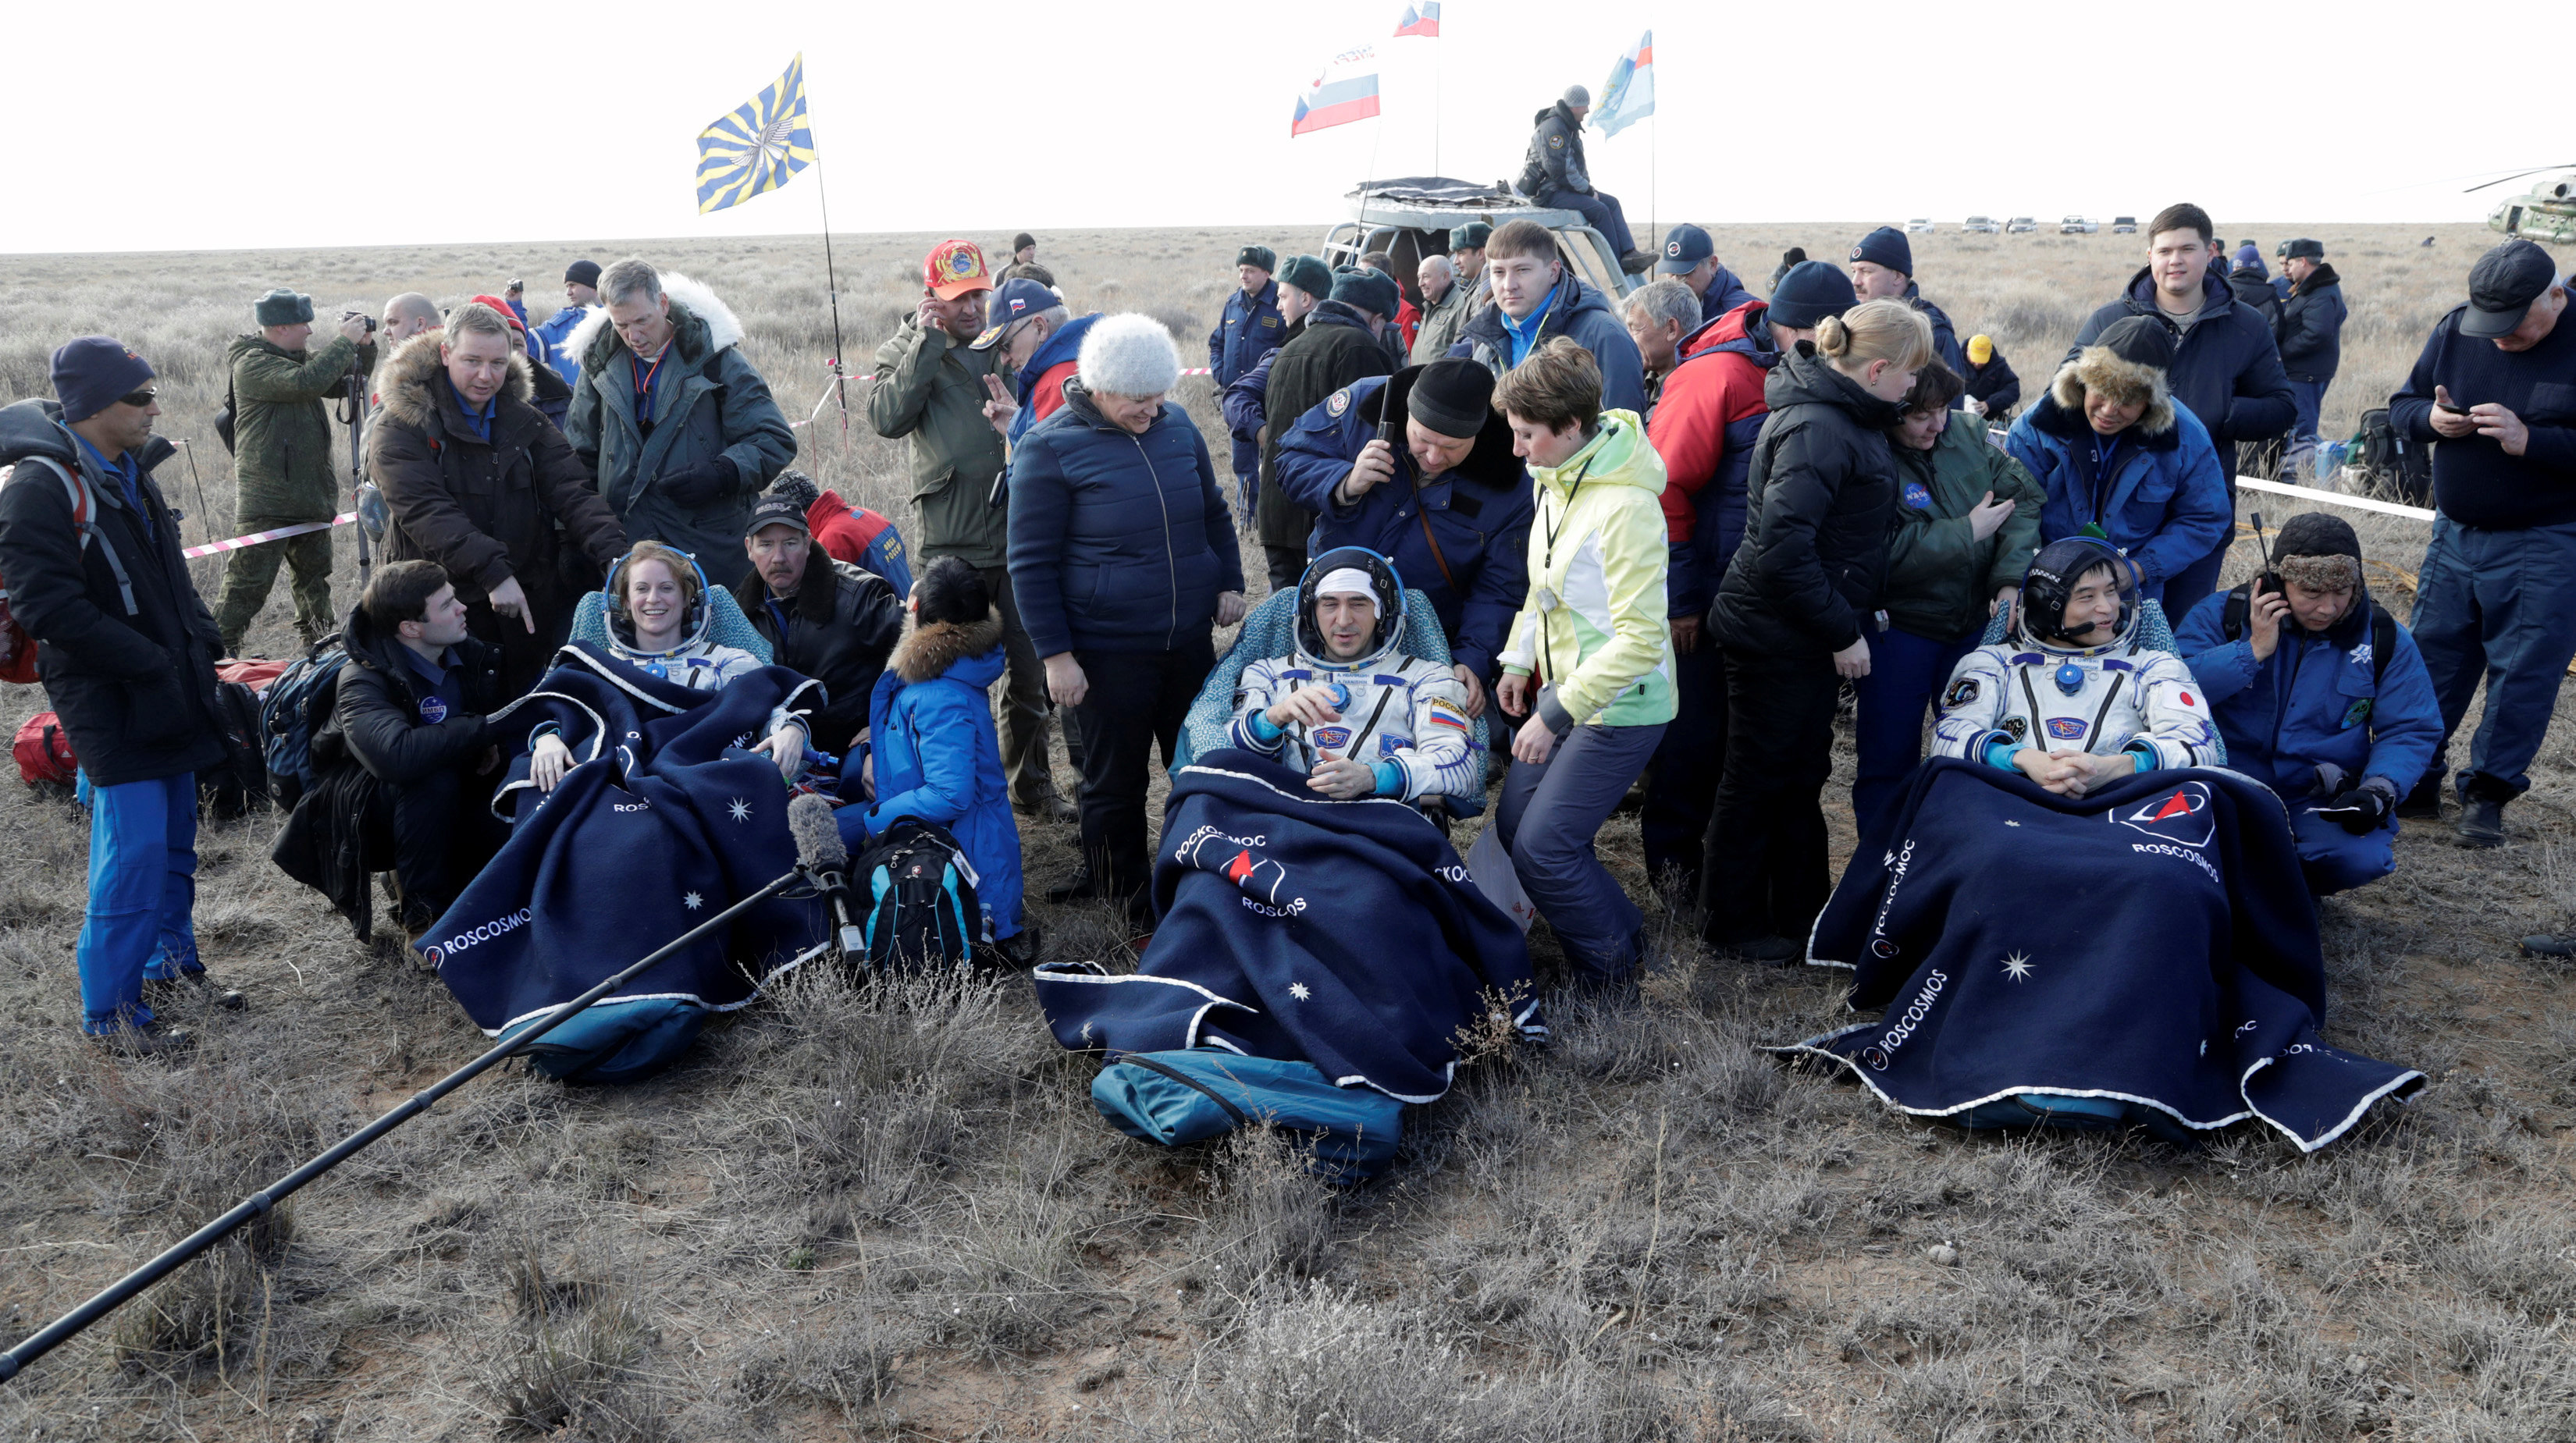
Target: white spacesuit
point(1402, 716)
point(2036, 689)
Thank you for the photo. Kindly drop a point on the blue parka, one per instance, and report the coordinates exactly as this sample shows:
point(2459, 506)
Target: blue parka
point(1119, 542)
point(2323, 697)
point(1574, 309)
point(1945, 336)
point(1250, 329)
point(554, 333)
point(1726, 291)
point(2166, 504)
point(1479, 511)
point(931, 730)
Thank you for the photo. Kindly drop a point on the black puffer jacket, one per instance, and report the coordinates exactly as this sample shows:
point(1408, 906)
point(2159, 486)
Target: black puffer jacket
point(2255, 289)
point(1819, 499)
point(841, 623)
point(136, 693)
point(376, 721)
point(2311, 327)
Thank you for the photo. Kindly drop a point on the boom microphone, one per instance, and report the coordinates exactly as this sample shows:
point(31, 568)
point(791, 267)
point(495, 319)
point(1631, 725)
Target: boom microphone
point(825, 860)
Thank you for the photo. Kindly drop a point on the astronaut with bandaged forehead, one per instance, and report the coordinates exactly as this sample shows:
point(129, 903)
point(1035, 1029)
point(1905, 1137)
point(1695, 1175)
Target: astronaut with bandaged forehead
point(1349, 708)
point(2071, 697)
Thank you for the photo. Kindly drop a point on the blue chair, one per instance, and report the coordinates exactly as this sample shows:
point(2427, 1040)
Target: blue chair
point(1270, 630)
point(727, 625)
point(2154, 633)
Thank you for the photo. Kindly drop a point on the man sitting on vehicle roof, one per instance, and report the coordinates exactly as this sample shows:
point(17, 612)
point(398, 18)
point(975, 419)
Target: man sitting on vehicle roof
point(1554, 175)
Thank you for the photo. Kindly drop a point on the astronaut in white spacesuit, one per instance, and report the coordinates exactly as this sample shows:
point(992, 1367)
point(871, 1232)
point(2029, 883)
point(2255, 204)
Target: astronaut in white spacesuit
point(2071, 698)
point(1349, 708)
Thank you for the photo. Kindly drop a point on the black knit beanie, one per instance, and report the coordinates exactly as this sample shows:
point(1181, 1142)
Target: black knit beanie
point(1453, 396)
point(2140, 340)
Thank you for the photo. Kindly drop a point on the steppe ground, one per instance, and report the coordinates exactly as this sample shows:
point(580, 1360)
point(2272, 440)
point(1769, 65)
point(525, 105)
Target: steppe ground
point(893, 1213)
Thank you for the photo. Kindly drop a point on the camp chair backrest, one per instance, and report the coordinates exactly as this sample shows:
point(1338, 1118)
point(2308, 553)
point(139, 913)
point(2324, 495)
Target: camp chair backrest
point(726, 625)
point(1271, 630)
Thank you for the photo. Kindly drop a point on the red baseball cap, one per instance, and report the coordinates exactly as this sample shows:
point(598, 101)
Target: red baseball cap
point(954, 268)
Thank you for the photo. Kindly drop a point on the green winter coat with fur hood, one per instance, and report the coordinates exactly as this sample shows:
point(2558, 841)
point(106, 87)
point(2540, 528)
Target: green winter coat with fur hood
point(282, 428)
point(708, 403)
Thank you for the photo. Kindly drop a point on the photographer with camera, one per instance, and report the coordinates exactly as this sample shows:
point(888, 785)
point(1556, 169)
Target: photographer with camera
point(282, 457)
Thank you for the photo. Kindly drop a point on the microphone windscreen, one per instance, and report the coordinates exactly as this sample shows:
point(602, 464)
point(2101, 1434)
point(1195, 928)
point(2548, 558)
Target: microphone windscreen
point(818, 840)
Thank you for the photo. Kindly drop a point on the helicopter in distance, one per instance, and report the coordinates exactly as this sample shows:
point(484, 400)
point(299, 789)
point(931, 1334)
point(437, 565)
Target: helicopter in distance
point(2546, 212)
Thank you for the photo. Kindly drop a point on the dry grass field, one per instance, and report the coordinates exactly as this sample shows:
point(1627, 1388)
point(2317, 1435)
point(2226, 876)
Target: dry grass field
point(893, 1213)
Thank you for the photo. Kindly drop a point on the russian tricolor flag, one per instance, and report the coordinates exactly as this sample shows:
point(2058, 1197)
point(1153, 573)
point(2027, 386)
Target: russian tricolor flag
point(1346, 91)
point(1420, 18)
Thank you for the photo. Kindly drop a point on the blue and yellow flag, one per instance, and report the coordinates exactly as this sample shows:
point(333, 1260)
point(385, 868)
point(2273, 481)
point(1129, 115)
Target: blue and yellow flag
point(757, 147)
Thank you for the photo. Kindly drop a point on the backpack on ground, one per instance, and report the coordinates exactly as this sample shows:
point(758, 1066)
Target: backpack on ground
point(295, 707)
point(1191, 1095)
point(2390, 461)
point(44, 753)
point(234, 785)
point(17, 647)
point(916, 893)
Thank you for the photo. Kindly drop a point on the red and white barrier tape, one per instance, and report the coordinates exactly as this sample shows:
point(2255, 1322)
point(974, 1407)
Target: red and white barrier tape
point(280, 534)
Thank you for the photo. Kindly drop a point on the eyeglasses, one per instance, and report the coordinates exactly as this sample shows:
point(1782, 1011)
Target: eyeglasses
point(139, 398)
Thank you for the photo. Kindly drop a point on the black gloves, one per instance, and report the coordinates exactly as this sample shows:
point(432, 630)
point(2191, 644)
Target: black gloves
point(2360, 810)
point(700, 482)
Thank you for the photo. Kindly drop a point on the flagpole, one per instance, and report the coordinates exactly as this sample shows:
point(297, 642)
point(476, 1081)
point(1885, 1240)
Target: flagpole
point(832, 287)
point(1435, 105)
point(831, 276)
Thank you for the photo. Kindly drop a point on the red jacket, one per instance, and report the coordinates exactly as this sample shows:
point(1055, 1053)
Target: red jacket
point(863, 538)
point(1703, 427)
point(1408, 319)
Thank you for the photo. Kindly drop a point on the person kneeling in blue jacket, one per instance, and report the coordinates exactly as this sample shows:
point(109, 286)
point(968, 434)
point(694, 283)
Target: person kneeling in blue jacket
point(933, 754)
point(2320, 696)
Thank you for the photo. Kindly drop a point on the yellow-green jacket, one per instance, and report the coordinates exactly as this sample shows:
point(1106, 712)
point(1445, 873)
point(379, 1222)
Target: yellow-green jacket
point(1593, 626)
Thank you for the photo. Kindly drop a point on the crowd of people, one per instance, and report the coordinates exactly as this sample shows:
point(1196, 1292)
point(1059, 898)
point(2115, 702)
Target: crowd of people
point(1661, 535)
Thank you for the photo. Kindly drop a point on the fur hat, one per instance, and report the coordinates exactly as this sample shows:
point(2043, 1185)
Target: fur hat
point(2128, 365)
point(1307, 274)
point(2318, 551)
point(1368, 290)
point(1129, 355)
point(282, 307)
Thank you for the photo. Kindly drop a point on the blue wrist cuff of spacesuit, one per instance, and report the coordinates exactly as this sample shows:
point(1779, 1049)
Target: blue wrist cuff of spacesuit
point(1262, 731)
point(2148, 761)
point(1998, 750)
point(1390, 779)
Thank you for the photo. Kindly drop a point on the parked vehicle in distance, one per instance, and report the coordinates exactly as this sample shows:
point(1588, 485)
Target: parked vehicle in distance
point(1980, 225)
point(2078, 225)
point(2124, 225)
point(2021, 223)
point(1920, 225)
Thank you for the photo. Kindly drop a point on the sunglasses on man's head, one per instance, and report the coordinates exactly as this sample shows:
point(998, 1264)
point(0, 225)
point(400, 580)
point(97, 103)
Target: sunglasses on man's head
point(139, 398)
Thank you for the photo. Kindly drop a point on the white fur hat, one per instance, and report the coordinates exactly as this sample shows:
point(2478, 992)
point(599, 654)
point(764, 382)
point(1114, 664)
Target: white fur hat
point(1129, 355)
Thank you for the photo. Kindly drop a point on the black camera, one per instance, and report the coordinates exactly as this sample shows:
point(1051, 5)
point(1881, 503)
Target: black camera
point(360, 316)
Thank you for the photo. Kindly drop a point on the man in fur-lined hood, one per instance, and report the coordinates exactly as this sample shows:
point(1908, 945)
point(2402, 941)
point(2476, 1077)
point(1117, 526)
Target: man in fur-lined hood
point(2114, 452)
point(678, 427)
point(477, 480)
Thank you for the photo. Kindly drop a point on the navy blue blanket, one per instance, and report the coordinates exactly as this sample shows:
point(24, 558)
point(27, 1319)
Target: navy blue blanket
point(665, 822)
point(1345, 934)
point(2151, 944)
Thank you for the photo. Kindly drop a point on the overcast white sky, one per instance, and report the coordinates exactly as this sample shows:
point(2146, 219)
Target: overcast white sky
point(146, 125)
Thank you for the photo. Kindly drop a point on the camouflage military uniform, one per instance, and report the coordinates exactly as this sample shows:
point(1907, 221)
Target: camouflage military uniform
point(283, 476)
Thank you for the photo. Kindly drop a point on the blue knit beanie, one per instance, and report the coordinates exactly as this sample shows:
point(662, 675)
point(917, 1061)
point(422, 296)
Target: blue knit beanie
point(92, 372)
point(1886, 246)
